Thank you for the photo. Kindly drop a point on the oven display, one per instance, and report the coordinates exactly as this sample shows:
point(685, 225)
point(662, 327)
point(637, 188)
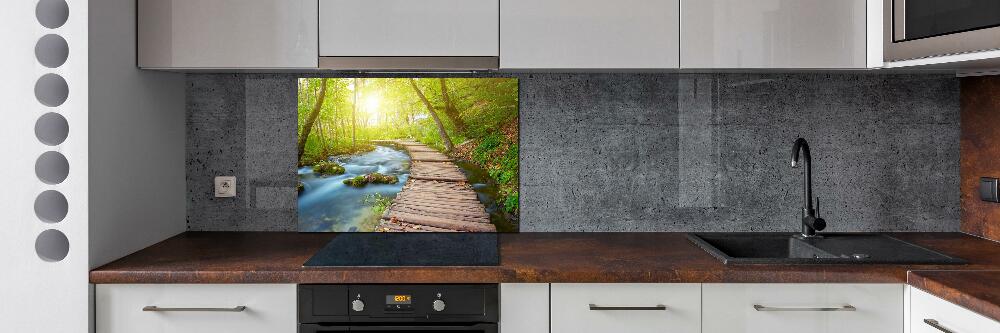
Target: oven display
point(398, 302)
point(398, 299)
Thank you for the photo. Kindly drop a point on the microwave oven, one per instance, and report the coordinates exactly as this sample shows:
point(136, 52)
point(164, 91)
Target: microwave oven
point(915, 29)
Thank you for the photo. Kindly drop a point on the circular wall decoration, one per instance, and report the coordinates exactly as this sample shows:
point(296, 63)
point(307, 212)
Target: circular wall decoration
point(52, 13)
point(52, 245)
point(51, 129)
point(51, 51)
point(52, 167)
point(51, 90)
point(51, 206)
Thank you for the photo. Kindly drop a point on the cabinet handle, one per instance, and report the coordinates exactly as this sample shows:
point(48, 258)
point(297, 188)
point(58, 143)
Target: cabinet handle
point(594, 307)
point(848, 307)
point(935, 324)
point(154, 308)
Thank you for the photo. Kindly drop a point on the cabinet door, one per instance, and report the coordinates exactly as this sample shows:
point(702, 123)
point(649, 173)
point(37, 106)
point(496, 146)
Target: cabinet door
point(227, 33)
point(816, 308)
point(930, 314)
point(626, 307)
point(524, 308)
point(269, 308)
point(773, 34)
point(589, 34)
point(408, 28)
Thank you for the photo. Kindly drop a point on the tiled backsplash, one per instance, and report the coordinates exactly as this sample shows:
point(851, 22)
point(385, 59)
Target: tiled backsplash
point(640, 152)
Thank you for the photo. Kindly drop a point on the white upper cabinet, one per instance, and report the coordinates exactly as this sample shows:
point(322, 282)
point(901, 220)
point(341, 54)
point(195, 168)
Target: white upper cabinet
point(776, 33)
point(227, 33)
point(589, 34)
point(409, 28)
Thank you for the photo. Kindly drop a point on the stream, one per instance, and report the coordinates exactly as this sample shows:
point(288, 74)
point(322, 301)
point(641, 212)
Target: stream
point(327, 204)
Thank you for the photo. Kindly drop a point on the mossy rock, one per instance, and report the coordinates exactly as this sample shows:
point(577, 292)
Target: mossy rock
point(358, 181)
point(328, 168)
point(301, 187)
point(371, 178)
point(378, 178)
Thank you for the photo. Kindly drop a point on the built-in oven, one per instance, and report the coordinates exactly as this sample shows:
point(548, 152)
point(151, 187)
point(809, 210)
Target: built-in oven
point(387, 308)
point(928, 28)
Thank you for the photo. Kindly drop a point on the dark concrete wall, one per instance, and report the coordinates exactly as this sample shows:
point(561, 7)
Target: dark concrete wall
point(641, 152)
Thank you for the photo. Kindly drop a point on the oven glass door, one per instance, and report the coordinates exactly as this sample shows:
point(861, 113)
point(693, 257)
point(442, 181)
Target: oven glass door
point(475, 328)
point(916, 19)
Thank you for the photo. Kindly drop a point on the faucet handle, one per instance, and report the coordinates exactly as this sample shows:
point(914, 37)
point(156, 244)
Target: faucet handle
point(817, 206)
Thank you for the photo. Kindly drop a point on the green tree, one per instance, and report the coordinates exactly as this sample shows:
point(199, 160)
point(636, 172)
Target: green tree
point(448, 145)
point(307, 128)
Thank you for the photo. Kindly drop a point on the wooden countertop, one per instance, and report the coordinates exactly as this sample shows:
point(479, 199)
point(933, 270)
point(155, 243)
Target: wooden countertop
point(277, 257)
point(978, 291)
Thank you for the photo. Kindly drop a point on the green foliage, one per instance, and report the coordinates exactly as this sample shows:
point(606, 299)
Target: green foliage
point(371, 178)
point(487, 145)
point(510, 202)
point(328, 168)
point(378, 202)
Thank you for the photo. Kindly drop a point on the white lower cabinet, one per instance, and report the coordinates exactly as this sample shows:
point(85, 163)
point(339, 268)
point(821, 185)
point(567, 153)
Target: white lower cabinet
point(816, 308)
point(625, 307)
point(196, 308)
point(524, 307)
point(930, 314)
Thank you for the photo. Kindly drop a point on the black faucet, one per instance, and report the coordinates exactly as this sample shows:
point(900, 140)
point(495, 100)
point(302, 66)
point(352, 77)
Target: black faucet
point(810, 221)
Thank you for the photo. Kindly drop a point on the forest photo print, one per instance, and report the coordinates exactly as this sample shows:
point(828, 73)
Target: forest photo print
point(408, 155)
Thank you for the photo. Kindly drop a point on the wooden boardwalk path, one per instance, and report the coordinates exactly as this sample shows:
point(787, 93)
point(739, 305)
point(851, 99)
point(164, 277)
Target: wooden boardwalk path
point(436, 197)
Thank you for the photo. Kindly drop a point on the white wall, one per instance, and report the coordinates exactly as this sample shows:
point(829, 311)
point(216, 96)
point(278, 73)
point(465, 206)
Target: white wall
point(137, 187)
point(38, 295)
point(125, 150)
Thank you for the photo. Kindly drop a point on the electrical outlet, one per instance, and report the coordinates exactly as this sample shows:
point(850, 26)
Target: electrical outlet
point(225, 187)
point(988, 189)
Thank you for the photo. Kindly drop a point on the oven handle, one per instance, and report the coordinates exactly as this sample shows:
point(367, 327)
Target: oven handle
point(481, 327)
point(485, 328)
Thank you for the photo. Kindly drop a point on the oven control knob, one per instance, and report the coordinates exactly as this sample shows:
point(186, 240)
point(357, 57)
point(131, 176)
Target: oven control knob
point(438, 305)
point(358, 305)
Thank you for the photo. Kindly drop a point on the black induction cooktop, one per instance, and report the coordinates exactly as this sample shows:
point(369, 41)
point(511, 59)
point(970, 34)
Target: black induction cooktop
point(409, 249)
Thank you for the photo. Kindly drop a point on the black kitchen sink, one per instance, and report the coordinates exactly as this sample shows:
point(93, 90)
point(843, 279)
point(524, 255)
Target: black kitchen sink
point(837, 248)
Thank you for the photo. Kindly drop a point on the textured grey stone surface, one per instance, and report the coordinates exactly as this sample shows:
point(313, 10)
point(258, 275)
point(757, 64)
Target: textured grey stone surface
point(641, 152)
point(243, 126)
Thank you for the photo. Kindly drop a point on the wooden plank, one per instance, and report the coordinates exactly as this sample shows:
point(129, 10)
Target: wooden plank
point(463, 214)
point(440, 204)
point(441, 222)
point(438, 178)
point(439, 195)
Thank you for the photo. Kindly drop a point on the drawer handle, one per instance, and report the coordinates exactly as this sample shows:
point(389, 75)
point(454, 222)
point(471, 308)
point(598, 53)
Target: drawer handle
point(658, 307)
point(848, 307)
point(154, 308)
point(935, 324)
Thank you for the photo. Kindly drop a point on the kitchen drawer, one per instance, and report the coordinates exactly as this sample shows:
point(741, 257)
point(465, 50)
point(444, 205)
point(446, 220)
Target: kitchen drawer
point(948, 316)
point(775, 308)
point(269, 308)
point(626, 307)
